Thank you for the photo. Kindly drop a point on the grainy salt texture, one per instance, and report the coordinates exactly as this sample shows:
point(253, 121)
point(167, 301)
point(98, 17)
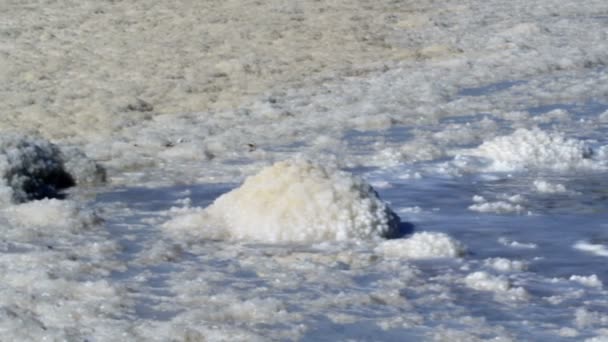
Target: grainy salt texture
point(295, 200)
point(535, 149)
point(422, 245)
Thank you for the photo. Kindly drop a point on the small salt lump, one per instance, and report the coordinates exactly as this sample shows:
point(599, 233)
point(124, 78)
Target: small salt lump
point(33, 168)
point(422, 245)
point(293, 201)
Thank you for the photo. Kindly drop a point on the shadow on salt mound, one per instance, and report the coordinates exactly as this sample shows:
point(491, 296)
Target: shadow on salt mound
point(32, 168)
point(293, 201)
point(530, 149)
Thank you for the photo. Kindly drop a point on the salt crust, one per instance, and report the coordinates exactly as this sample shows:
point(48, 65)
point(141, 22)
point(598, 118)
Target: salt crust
point(292, 201)
point(535, 149)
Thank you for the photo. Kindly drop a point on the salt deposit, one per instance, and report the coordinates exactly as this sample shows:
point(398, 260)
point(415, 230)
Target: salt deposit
point(509, 205)
point(543, 186)
point(422, 245)
point(296, 200)
point(47, 217)
point(505, 265)
point(483, 281)
point(591, 280)
point(535, 149)
point(33, 168)
point(593, 248)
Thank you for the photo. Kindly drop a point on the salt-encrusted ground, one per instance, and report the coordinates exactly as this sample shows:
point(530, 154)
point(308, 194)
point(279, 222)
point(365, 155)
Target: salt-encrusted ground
point(74, 66)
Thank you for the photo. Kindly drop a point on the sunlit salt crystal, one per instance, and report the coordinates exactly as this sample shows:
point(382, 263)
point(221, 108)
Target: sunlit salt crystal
point(50, 213)
point(591, 281)
point(499, 207)
point(516, 116)
point(586, 318)
point(601, 338)
point(478, 199)
point(423, 245)
point(380, 184)
point(534, 149)
point(505, 265)
point(486, 282)
point(554, 115)
point(516, 244)
point(410, 210)
point(483, 281)
point(568, 332)
point(596, 249)
point(543, 186)
point(296, 200)
point(518, 198)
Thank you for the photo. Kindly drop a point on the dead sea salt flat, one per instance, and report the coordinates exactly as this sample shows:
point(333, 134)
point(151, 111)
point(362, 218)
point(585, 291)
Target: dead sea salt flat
point(482, 125)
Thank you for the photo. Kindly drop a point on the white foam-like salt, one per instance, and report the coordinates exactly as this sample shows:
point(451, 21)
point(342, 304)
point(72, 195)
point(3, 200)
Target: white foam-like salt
point(593, 248)
point(535, 149)
point(546, 187)
point(505, 265)
point(591, 281)
point(498, 207)
point(295, 200)
point(516, 244)
point(421, 245)
point(50, 215)
point(502, 287)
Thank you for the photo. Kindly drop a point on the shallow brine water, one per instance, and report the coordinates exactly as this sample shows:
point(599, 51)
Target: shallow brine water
point(528, 261)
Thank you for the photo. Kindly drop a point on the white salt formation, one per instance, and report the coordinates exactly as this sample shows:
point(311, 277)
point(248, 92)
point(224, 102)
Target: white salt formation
point(295, 200)
point(535, 149)
point(35, 218)
point(545, 187)
point(423, 245)
point(33, 168)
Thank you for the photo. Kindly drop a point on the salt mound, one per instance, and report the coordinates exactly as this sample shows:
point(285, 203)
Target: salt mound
point(49, 215)
point(293, 201)
point(423, 245)
point(535, 149)
point(33, 168)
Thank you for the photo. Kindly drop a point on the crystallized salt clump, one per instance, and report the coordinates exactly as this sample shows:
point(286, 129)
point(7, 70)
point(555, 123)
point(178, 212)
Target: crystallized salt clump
point(293, 201)
point(535, 149)
point(423, 245)
point(33, 168)
point(37, 218)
